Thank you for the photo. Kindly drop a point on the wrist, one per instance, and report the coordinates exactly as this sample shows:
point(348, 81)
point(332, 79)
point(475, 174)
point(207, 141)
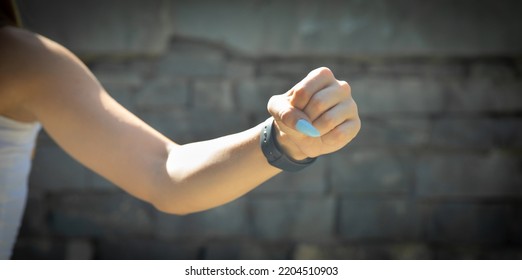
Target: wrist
point(287, 146)
point(274, 153)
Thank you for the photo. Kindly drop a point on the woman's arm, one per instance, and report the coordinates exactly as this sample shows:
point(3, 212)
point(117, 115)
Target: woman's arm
point(54, 87)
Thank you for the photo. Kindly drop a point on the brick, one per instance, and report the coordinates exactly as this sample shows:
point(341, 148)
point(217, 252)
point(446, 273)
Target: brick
point(504, 254)
point(456, 251)
point(55, 171)
point(95, 215)
point(38, 248)
point(466, 223)
point(514, 225)
point(295, 69)
point(118, 75)
point(213, 94)
point(239, 22)
point(453, 133)
point(192, 60)
point(287, 68)
point(163, 94)
point(476, 252)
point(425, 67)
point(122, 71)
point(253, 94)
point(146, 249)
point(476, 133)
point(222, 251)
point(240, 69)
point(469, 175)
point(246, 250)
point(378, 219)
point(122, 94)
point(35, 219)
point(229, 220)
point(121, 27)
point(79, 249)
point(310, 181)
point(499, 69)
point(399, 95)
point(394, 251)
point(392, 133)
point(96, 182)
point(292, 218)
point(485, 94)
point(371, 172)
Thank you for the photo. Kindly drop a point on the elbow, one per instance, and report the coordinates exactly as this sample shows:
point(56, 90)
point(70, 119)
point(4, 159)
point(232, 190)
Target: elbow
point(178, 211)
point(172, 204)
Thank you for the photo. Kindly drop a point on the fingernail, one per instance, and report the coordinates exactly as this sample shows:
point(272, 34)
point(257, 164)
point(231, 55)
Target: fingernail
point(307, 128)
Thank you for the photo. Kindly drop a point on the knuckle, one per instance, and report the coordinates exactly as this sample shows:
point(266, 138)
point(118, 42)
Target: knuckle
point(325, 72)
point(317, 105)
point(301, 91)
point(271, 105)
point(346, 132)
point(285, 116)
point(345, 87)
point(329, 120)
point(354, 109)
point(359, 126)
point(338, 135)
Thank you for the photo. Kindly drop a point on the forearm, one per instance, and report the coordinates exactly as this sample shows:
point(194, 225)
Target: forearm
point(206, 174)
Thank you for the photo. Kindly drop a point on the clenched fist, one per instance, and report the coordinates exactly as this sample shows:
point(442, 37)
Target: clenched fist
point(316, 117)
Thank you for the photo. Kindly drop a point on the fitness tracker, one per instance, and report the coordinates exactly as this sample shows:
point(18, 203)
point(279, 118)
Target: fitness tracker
point(273, 152)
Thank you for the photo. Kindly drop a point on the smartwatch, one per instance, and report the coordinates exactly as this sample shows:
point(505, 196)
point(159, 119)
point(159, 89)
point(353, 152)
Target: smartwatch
point(273, 152)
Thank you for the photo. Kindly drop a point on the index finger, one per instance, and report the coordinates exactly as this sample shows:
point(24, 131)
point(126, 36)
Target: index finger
point(315, 81)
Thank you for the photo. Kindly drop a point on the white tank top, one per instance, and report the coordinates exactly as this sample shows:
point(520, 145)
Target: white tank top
point(17, 140)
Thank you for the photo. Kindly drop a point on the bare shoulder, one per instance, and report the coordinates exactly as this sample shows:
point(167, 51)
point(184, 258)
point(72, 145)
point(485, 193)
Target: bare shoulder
point(22, 50)
point(30, 64)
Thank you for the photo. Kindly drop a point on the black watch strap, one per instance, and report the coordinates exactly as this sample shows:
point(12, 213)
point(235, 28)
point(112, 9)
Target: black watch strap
point(274, 154)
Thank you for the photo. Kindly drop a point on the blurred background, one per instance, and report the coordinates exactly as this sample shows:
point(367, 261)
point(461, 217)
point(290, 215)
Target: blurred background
point(435, 173)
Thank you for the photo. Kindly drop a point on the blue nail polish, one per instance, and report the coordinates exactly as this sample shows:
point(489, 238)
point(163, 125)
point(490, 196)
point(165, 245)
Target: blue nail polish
point(307, 128)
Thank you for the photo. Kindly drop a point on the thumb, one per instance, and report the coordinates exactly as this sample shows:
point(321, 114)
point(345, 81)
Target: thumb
point(280, 108)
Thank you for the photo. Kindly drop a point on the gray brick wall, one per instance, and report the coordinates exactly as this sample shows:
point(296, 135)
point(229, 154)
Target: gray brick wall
point(435, 173)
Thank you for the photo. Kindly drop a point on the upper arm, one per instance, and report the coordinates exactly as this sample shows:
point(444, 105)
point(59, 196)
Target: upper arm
point(85, 121)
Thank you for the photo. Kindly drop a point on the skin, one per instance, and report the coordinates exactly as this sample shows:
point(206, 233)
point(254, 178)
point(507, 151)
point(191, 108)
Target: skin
point(42, 81)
